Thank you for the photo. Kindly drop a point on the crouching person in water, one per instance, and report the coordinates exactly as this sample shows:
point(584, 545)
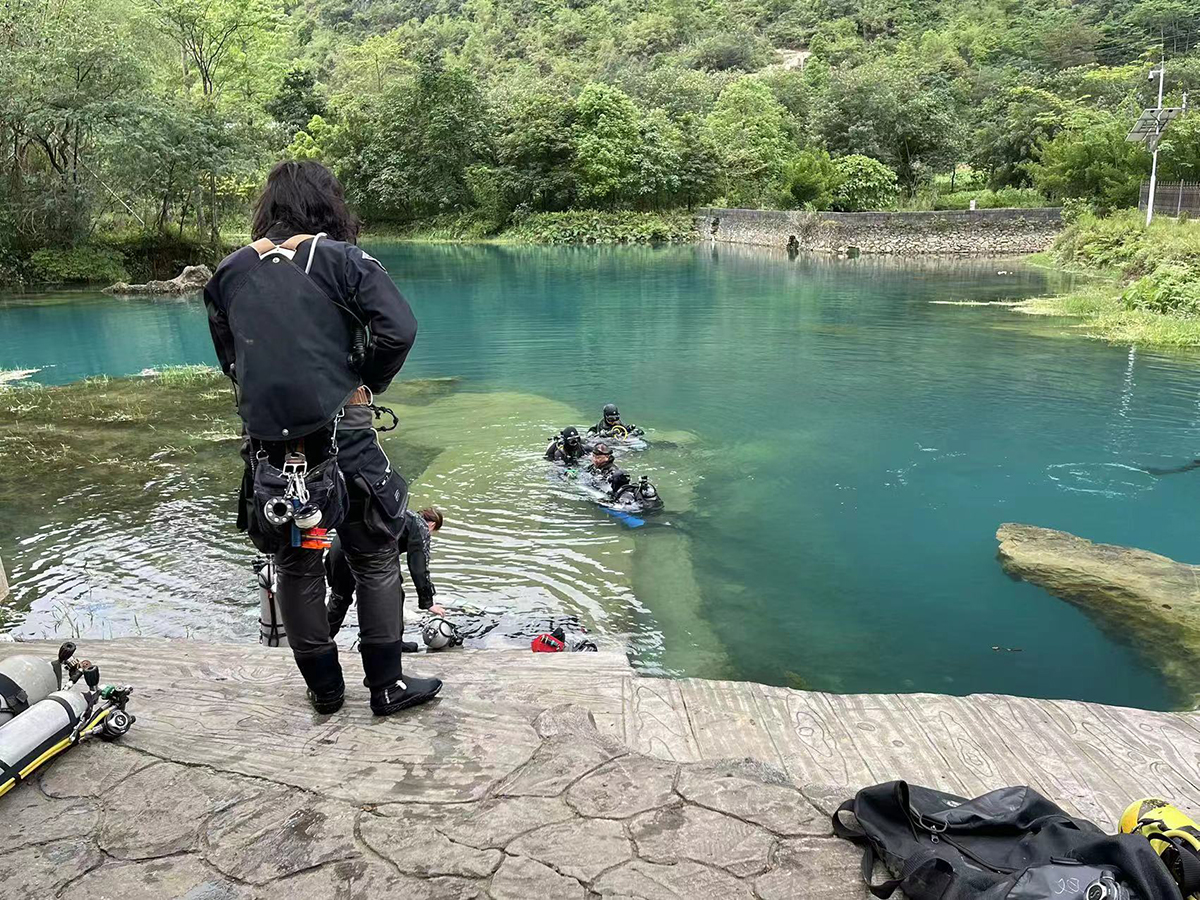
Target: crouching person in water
point(415, 541)
point(288, 316)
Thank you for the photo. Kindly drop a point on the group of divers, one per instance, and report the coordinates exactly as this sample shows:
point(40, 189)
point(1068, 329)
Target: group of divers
point(590, 461)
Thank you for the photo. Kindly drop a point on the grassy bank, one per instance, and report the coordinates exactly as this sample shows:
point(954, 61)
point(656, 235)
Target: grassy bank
point(1146, 288)
point(582, 227)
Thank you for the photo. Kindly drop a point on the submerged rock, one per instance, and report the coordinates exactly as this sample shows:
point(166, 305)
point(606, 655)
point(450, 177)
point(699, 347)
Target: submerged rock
point(193, 278)
point(1145, 598)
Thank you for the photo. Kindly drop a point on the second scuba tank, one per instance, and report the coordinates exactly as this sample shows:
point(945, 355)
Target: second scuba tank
point(34, 732)
point(271, 632)
point(24, 681)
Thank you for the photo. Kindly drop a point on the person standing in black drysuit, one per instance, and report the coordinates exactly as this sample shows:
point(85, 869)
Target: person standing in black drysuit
point(310, 327)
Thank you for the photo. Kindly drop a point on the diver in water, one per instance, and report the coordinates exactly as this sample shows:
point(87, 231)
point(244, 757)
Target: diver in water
point(610, 424)
point(290, 317)
point(567, 447)
point(414, 540)
point(1177, 470)
point(604, 472)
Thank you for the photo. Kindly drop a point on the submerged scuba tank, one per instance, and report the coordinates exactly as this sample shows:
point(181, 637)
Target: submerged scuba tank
point(1173, 834)
point(271, 632)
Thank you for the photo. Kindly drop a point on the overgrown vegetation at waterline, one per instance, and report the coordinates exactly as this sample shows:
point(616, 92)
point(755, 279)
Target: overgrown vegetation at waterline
point(1151, 288)
point(162, 116)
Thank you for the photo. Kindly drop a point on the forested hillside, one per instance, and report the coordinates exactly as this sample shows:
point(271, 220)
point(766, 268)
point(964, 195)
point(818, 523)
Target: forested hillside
point(163, 115)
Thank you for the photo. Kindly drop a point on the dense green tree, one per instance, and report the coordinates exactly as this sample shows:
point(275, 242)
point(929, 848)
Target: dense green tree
point(1090, 159)
point(863, 183)
point(810, 181)
point(420, 139)
point(605, 146)
point(883, 110)
point(748, 128)
point(297, 101)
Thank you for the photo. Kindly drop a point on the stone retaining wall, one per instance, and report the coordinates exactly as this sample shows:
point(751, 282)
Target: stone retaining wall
point(961, 232)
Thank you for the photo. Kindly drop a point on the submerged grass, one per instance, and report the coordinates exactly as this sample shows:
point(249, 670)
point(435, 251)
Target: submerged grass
point(112, 431)
point(1103, 315)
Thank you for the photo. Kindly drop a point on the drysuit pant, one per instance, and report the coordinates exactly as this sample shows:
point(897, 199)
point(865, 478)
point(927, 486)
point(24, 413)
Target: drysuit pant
point(373, 557)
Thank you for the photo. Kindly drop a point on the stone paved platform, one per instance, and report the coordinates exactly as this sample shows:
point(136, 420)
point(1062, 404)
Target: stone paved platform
point(556, 776)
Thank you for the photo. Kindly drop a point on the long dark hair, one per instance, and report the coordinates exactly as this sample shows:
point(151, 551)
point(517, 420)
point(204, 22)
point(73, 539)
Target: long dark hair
point(303, 197)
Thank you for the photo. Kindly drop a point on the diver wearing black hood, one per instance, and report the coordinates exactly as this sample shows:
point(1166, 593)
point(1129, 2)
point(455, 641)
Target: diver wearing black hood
point(567, 447)
point(610, 423)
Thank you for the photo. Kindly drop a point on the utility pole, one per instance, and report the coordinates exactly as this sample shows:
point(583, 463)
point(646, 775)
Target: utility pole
point(1161, 72)
point(1179, 202)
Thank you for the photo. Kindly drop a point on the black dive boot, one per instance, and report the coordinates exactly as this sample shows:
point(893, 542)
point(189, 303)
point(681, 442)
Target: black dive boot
point(391, 691)
point(323, 675)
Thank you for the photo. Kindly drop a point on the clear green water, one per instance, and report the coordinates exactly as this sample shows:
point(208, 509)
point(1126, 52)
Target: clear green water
point(830, 521)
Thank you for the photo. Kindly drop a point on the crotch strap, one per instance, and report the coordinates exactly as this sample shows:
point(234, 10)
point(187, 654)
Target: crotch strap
point(264, 246)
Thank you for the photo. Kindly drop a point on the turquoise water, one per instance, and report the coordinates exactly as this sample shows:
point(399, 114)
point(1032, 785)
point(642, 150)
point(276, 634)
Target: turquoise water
point(857, 445)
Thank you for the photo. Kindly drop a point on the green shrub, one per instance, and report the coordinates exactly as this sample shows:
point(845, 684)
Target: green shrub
point(78, 265)
point(593, 227)
point(863, 184)
point(149, 255)
point(809, 181)
point(1171, 289)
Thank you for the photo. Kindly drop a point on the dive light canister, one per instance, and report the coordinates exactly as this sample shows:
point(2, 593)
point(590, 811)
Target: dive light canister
point(28, 736)
point(24, 681)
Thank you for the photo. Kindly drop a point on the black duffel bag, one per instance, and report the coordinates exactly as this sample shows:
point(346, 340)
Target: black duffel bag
point(1011, 844)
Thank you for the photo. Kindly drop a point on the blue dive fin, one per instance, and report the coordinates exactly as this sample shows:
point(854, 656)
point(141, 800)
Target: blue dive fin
point(626, 518)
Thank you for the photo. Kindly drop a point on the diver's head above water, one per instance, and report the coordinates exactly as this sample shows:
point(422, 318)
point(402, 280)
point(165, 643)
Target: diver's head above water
point(602, 456)
point(571, 438)
point(612, 415)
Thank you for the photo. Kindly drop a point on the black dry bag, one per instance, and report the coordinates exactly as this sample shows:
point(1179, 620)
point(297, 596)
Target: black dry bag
point(1011, 844)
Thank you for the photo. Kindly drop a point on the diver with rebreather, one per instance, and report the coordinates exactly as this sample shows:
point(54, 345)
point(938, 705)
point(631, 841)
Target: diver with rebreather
point(310, 328)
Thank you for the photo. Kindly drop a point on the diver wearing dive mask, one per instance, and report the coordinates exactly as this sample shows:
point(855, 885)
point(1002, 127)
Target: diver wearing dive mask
point(610, 424)
point(567, 447)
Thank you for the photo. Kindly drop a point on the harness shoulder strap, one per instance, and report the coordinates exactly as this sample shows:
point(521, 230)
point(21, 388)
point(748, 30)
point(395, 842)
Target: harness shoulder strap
point(263, 246)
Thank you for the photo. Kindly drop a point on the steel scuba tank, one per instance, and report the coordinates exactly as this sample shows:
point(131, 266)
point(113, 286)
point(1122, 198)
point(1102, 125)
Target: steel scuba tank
point(24, 681)
point(36, 732)
point(271, 632)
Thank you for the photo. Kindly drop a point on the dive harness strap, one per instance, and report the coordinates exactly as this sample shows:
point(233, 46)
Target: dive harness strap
point(12, 771)
point(1181, 858)
point(14, 696)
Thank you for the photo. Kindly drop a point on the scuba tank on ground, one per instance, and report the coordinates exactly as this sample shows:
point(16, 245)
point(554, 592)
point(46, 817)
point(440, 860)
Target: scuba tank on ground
point(60, 721)
point(271, 632)
point(26, 679)
point(1174, 836)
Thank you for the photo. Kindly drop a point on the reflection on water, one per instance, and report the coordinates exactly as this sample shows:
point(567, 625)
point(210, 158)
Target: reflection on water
point(835, 448)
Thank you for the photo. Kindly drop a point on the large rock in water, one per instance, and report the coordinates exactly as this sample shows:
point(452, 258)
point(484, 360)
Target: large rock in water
point(193, 278)
point(1144, 598)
